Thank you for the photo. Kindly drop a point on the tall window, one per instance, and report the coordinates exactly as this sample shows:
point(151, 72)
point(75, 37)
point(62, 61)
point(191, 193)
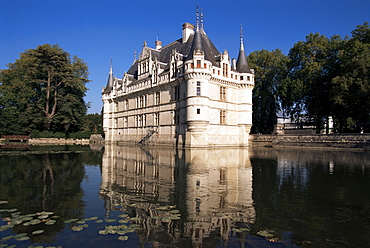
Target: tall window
point(198, 64)
point(198, 88)
point(225, 70)
point(222, 117)
point(222, 93)
point(126, 105)
point(157, 98)
point(156, 119)
point(125, 121)
point(177, 93)
point(141, 102)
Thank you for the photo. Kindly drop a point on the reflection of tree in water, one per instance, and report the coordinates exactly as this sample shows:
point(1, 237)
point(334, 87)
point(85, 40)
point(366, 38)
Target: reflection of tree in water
point(43, 182)
point(211, 190)
point(318, 196)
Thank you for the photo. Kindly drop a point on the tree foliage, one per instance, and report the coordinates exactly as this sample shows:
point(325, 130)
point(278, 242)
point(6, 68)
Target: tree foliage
point(94, 123)
point(333, 76)
point(43, 90)
point(270, 69)
point(320, 78)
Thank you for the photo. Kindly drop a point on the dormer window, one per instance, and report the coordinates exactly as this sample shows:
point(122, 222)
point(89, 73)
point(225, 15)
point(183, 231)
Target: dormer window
point(199, 64)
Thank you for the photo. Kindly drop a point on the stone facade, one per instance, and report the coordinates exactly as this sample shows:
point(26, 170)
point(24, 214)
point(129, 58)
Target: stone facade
point(185, 94)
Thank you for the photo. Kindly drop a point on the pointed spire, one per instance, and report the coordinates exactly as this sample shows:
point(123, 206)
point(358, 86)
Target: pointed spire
point(241, 36)
point(109, 86)
point(201, 19)
point(197, 19)
point(242, 63)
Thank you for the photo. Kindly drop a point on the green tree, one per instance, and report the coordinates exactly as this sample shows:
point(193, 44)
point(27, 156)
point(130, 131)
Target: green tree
point(94, 123)
point(351, 85)
point(313, 65)
point(43, 90)
point(270, 70)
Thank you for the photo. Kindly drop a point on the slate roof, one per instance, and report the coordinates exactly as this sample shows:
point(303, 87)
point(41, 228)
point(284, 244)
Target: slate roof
point(197, 41)
point(109, 86)
point(242, 63)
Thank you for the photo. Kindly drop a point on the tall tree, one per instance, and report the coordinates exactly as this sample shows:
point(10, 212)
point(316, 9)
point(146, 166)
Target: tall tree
point(352, 82)
point(44, 90)
point(270, 69)
point(313, 64)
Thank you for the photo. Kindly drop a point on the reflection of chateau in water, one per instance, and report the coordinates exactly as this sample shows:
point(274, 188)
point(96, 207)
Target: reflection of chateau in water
point(211, 188)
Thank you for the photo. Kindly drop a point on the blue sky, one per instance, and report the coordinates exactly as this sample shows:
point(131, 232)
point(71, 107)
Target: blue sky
point(96, 30)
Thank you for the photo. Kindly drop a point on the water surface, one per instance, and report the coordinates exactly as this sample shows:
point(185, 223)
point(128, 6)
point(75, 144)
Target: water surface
point(158, 197)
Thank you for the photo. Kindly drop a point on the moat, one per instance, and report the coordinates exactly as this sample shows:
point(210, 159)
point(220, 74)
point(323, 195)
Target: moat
point(74, 196)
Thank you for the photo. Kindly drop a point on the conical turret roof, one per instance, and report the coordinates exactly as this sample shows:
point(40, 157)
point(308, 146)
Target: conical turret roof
point(242, 62)
point(109, 86)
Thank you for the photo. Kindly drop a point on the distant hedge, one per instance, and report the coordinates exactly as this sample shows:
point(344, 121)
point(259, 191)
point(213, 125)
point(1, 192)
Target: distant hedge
point(58, 135)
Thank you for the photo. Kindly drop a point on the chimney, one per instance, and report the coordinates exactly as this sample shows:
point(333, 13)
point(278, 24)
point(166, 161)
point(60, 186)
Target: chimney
point(233, 64)
point(158, 44)
point(187, 30)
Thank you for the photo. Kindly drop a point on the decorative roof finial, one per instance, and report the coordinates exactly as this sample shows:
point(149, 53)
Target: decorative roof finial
point(241, 36)
point(197, 18)
point(201, 19)
point(242, 62)
point(111, 66)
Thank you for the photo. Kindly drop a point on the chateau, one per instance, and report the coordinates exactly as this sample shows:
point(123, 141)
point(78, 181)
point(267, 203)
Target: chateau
point(184, 94)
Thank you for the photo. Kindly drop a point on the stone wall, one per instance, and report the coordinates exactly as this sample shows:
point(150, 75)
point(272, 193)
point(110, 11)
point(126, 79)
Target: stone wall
point(360, 141)
point(52, 141)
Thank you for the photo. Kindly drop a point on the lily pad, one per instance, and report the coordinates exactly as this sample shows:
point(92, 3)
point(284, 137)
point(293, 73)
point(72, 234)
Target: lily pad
point(3, 228)
point(16, 222)
point(91, 218)
point(123, 215)
point(35, 222)
point(77, 228)
point(37, 232)
point(50, 222)
point(265, 233)
point(3, 202)
point(70, 221)
point(135, 218)
point(123, 238)
point(245, 229)
point(21, 237)
point(99, 221)
point(7, 238)
point(103, 232)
